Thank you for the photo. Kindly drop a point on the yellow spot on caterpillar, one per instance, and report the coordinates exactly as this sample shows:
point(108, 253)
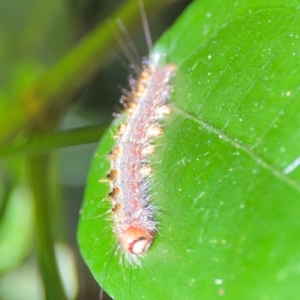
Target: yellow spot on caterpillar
point(146, 171)
point(114, 192)
point(112, 174)
point(155, 131)
point(148, 150)
point(116, 208)
point(114, 153)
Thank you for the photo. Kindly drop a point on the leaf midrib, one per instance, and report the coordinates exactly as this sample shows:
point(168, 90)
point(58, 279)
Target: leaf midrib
point(240, 145)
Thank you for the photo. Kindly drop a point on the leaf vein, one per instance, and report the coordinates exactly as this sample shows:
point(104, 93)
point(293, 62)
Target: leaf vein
point(239, 144)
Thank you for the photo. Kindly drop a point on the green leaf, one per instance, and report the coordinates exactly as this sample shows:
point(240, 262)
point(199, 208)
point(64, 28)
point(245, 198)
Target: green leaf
point(228, 174)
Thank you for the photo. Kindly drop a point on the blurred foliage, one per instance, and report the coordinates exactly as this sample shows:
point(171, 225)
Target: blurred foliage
point(58, 88)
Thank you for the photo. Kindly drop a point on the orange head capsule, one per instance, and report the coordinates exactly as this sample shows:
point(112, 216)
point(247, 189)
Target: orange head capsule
point(136, 240)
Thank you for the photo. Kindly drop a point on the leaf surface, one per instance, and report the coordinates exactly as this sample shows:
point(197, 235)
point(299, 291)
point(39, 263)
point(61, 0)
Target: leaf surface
point(226, 169)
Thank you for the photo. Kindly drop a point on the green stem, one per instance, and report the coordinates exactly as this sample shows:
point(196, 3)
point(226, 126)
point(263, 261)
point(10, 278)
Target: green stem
point(47, 142)
point(38, 168)
point(54, 89)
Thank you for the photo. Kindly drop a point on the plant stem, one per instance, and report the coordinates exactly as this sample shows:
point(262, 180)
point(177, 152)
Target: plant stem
point(51, 93)
point(38, 169)
point(47, 142)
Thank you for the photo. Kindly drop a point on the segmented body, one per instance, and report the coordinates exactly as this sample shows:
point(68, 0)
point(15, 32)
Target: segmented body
point(133, 214)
